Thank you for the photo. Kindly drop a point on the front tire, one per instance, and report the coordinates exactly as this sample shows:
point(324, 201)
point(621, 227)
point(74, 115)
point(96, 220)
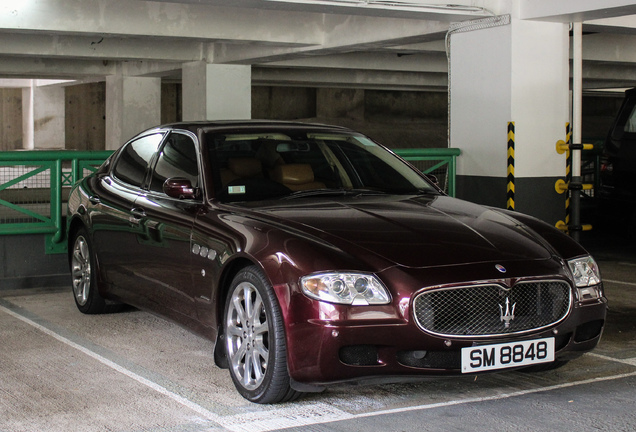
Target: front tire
point(83, 274)
point(255, 340)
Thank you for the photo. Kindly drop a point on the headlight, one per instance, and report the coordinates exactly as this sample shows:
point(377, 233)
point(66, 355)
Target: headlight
point(585, 271)
point(587, 278)
point(345, 288)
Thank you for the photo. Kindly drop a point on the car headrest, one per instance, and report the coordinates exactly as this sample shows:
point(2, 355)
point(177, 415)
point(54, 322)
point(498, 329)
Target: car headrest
point(293, 174)
point(245, 167)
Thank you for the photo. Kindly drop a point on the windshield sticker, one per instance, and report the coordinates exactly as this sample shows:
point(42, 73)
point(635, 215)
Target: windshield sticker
point(233, 190)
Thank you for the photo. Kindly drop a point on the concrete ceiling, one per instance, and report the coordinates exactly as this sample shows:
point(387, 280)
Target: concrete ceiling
point(386, 44)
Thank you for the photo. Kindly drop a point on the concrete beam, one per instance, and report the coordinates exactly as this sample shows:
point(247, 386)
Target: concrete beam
point(459, 10)
point(614, 75)
point(350, 78)
point(384, 61)
point(619, 25)
point(100, 47)
point(616, 48)
point(36, 67)
point(342, 34)
point(574, 10)
point(154, 19)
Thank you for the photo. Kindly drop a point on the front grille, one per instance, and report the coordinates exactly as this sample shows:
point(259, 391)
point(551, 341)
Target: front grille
point(485, 310)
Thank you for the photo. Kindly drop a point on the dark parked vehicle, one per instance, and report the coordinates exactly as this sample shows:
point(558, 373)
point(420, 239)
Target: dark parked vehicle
point(618, 167)
point(312, 255)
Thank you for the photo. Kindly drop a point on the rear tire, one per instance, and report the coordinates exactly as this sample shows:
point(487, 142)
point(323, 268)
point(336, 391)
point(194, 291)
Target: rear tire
point(255, 340)
point(82, 261)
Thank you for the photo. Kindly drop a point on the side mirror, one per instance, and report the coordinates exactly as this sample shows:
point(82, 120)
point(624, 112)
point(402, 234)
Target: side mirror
point(179, 187)
point(432, 178)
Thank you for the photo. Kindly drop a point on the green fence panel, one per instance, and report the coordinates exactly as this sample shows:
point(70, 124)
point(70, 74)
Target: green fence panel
point(33, 190)
point(440, 162)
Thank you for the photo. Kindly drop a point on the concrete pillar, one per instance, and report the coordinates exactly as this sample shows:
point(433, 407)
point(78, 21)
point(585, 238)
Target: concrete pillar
point(216, 92)
point(27, 118)
point(508, 70)
point(132, 105)
point(48, 117)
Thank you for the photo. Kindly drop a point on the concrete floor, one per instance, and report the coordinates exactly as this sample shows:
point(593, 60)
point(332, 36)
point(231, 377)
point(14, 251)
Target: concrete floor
point(64, 371)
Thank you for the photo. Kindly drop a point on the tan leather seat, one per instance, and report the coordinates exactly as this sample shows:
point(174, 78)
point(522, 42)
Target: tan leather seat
point(296, 177)
point(243, 167)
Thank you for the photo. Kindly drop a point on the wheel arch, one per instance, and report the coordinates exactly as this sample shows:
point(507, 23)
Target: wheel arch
point(228, 273)
point(74, 225)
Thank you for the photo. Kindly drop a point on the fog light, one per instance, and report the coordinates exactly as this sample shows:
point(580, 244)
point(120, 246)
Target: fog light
point(589, 293)
point(419, 354)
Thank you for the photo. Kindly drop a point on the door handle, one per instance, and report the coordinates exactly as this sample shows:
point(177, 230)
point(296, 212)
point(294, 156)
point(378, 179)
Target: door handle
point(138, 213)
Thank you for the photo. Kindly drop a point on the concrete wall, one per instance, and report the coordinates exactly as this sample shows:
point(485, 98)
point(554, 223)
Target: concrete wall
point(86, 113)
point(24, 265)
point(85, 116)
point(10, 119)
point(171, 106)
point(399, 119)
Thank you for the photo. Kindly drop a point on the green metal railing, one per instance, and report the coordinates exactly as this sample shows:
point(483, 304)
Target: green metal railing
point(440, 162)
point(34, 186)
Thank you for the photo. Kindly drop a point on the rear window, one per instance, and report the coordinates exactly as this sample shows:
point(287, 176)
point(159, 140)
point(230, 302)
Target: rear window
point(132, 164)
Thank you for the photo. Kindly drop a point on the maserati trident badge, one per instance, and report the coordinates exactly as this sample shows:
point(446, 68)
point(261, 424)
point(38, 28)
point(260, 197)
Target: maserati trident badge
point(508, 314)
point(500, 268)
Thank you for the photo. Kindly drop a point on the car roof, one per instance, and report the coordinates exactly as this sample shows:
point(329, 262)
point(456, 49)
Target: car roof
point(209, 126)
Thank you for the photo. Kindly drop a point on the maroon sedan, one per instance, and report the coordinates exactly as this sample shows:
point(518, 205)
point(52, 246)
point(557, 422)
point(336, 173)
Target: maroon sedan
point(312, 255)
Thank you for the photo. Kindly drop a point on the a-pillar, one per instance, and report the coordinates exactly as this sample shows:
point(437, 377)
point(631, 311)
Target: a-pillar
point(43, 117)
point(133, 104)
point(507, 72)
point(216, 91)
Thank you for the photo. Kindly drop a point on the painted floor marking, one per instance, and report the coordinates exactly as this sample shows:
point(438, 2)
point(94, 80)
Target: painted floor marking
point(298, 414)
point(630, 361)
point(620, 282)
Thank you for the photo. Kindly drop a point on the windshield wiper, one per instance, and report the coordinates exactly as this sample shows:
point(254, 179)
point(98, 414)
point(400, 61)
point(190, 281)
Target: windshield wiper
point(315, 192)
point(427, 192)
point(333, 192)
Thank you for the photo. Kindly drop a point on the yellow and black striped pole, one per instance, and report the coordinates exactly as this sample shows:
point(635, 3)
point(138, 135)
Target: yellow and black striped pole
point(510, 202)
point(568, 171)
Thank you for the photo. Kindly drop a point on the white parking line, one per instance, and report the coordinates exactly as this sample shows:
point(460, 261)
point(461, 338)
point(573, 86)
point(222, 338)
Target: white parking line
point(620, 282)
point(297, 414)
point(630, 361)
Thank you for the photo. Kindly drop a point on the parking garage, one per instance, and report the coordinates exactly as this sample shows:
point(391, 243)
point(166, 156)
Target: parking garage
point(498, 84)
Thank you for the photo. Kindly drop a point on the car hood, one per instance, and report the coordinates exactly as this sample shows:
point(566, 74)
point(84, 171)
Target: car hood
point(411, 231)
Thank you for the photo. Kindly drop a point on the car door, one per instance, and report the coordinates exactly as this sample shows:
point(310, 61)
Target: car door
point(164, 225)
point(113, 213)
point(620, 148)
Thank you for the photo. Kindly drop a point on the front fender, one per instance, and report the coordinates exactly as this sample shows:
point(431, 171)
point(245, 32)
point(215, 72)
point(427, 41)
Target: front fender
point(563, 245)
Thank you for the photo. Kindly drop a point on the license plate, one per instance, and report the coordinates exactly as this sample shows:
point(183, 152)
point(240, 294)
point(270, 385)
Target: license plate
point(507, 355)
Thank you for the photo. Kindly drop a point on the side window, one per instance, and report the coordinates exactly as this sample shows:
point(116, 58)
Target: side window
point(630, 124)
point(132, 164)
point(178, 158)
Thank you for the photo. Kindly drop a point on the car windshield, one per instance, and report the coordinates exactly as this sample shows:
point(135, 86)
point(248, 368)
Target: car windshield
point(290, 165)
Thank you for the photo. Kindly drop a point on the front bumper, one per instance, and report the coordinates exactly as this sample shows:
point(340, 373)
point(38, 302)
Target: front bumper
point(326, 351)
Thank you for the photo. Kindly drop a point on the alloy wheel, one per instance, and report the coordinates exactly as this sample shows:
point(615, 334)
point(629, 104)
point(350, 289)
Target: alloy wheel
point(247, 336)
point(81, 270)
